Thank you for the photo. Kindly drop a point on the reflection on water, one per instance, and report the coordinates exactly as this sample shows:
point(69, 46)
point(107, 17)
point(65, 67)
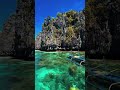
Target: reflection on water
point(54, 71)
point(16, 74)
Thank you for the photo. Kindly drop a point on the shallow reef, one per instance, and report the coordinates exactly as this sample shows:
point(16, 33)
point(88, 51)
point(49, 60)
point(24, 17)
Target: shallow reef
point(55, 72)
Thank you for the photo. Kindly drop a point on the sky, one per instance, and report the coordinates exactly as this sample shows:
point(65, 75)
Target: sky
point(44, 8)
point(7, 7)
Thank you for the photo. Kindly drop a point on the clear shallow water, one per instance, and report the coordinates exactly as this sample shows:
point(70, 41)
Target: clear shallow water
point(53, 71)
point(16, 74)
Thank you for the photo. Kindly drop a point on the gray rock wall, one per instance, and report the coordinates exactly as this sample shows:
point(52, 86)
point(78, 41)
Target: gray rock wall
point(67, 31)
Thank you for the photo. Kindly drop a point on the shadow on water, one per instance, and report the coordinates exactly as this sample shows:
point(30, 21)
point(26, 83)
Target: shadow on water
point(16, 74)
point(103, 74)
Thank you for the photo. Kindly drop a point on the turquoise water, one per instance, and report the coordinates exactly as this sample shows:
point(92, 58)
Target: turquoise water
point(54, 71)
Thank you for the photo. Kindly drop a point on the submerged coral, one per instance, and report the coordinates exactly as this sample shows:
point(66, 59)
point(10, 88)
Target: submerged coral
point(58, 73)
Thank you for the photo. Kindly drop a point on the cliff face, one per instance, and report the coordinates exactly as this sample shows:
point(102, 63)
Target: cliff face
point(38, 42)
point(114, 25)
point(17, 36)
point(7, 37)
point(102, 29)
point(24, 33)
point(66, 31)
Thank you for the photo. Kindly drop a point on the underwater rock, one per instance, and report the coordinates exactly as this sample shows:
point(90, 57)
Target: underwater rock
point(51, 75)
point(72, 70)
point(58, 73)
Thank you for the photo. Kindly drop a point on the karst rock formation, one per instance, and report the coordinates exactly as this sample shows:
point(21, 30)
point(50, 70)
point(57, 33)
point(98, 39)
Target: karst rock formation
point(17, 36)
point(65, 32)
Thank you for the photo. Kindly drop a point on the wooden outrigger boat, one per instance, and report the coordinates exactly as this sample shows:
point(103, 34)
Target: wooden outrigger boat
point(79, 60)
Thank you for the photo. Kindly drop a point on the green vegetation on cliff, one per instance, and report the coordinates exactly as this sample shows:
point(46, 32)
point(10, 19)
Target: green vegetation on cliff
point(66, 31)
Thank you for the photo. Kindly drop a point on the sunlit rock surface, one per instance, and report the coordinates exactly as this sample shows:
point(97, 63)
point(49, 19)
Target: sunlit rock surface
point(67, 31)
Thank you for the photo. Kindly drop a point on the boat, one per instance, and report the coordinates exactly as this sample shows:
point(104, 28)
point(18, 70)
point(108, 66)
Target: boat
point(79, 60)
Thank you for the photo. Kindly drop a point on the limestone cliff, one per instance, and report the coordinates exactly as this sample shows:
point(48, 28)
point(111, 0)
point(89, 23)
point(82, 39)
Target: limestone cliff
point(17, 36)
point(66, 32)
point(7, 37)
point(103, 29)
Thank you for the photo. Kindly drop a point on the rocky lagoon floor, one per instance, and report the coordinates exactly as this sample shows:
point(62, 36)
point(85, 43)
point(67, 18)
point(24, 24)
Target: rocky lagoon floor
point(53, 71)
point(50, 71)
